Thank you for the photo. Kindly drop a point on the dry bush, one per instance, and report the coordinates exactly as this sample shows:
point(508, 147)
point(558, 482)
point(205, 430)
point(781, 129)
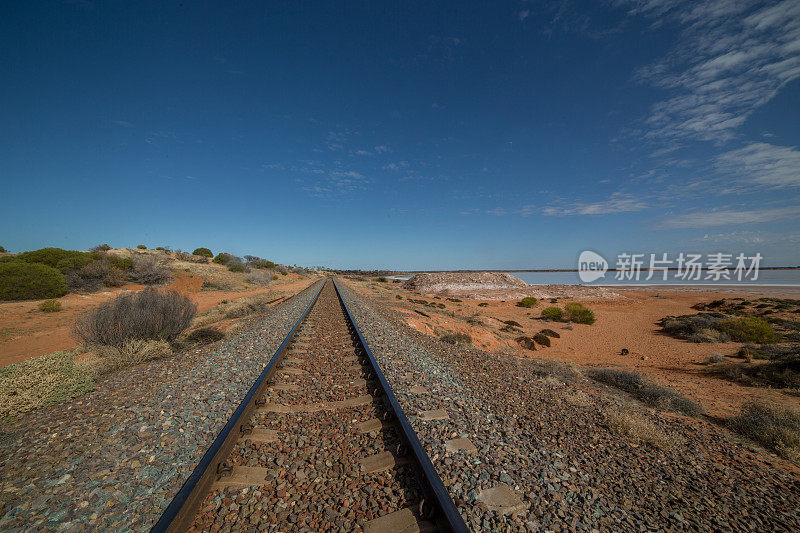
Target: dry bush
point(235, 309)
point(566, 372)
point(713, 359)
point(205, 336)
point(647, 391)
point(576, 398)
point(260, 277)
point(148, 315)
point(40, 382)
point(50, 306)
point(148, 271)
point(191, 258)
point(458, 339)
point(636, 428)
point(771, 425)
point(132, 352)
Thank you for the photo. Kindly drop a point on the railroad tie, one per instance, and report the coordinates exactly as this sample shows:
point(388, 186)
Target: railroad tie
point(364, 399)
point(381, 462)
point(434, 414)
point(243, 476)
point(403, 521)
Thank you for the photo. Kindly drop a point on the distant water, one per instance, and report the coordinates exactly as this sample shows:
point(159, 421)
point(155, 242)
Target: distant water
point(779, 278)
point(790, 278)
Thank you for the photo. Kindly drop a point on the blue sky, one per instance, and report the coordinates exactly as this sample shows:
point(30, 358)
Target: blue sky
point(403, 134)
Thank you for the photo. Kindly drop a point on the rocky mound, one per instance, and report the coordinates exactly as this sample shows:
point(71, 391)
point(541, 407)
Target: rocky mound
point(462, 282)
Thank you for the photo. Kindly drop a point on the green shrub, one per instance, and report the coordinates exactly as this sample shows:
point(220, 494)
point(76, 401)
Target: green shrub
point(257, 262)
point(148, 315)
point(274, 277)
point(456, 338)
point(40, 382)
point(50, 306)
point(141, 246)
point(63, 260)
point(552, 313)
point(542, 339)
point(236, 266)
point(204, 252)
point(645, 390)
point(101, 248)
point(121, 263)
point(161, 249)
point(773, 426)
point(579, 313)
point(30, 281)
point(283, 272)
point(748, 329)
point(222, 258)
point(2, 250)
point(528, 301)
point(381, 279)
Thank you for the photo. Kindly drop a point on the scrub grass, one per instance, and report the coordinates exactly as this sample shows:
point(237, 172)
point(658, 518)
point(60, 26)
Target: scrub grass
point(773, 426)
point(647, 391)
point(636, 429)
point(41, 382)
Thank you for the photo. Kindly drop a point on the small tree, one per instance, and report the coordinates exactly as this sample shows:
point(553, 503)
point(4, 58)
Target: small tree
point(203, 252)
point(141, 246)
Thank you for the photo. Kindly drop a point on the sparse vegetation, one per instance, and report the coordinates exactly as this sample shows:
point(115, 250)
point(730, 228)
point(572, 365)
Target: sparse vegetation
point(458, 339)
point(528, 301)
point(542, 339)
point(713, 359)
point(579, 313)
point(235, 309)
point(566, 372)
point(717, 327)
point(50, 306)
point(381, 279)
point(260, 277)
point(203, 252)
point(141, 247)
point(636, 428)
point(104, 359)
point(40, 382)
point(30, 281)
point(748, 329)
point(645, 390)
point(223, 258)
point(773, 426)
point(257, 262)
point(101, 248)
point(283, 272)
point(205, 336)
point(148, 271)
point(148, 315)
point(236, 266)
point(553, 313)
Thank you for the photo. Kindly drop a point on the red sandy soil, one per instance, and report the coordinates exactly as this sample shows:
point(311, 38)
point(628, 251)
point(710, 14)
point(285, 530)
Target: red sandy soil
point(627, 322)
point(26, 332)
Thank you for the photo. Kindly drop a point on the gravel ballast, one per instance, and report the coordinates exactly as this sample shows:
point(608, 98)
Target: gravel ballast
point(114, 458)
point(541, 430)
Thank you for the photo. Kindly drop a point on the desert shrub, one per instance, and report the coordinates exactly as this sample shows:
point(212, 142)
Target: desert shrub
point(132, 352)
point(542, 339)
point(98, 273)
point(40, 382)
point(781, 374)
point(566, 372)
point(274, 277)
point(236, 266)
point(50, 306)
point(63, 260)
point(257, 262)
point(189, 258)
point(30, 281)
point(687, 326)
point(148, 315)
point(713, 359)
point(223, 258)
point(2, 250)
point(645, 390)
point(512, 323)
point(101, 248)
point(203, 252)
point(381, 279)
point(526, 342)
point(214, 285)
point(528, 301)
point(283, 272)
point(259, 277)
point(141, 247)
point(483, 304)
point(748, 329)
point(458, 339)
point(708, 335)
point(552, 313)
point(773, 426)
point(161, 249)
point(636, 428)
point(148, 271)
point(550, 333)
point(205, 336)
point(579, 313)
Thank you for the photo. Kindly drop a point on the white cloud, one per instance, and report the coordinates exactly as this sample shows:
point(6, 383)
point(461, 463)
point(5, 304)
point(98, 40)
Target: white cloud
point(617, 203)
point(763, 164)
point(705, 219)
point(731, 58)
point(382, 149)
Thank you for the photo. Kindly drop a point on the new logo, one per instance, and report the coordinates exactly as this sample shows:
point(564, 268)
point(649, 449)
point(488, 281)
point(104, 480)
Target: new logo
point(591, 266)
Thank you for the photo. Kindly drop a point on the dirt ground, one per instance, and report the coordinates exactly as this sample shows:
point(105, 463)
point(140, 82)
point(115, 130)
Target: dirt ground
point(627, 322)
point(26, 332)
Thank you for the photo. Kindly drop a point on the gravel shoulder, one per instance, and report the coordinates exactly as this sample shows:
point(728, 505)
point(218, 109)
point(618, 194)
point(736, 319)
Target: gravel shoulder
point(114, 458)
point(541, 430)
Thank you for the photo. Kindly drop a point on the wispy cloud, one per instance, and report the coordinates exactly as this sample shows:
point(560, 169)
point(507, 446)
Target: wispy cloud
point(382, 149)
point(762, 163)
point(617, 203)
point(122, 123)
point(749, 237)
point(706, 219)
point(523, 14)
point(732, 57)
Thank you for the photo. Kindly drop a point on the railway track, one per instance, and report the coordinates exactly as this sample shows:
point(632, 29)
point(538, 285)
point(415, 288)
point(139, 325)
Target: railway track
point(319, 443)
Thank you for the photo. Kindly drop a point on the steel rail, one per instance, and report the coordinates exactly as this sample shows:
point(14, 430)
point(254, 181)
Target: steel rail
point(450, 517)
point(183, 507)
